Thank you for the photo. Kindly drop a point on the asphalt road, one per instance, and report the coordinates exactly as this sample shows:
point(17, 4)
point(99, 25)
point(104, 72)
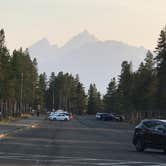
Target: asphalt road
point(83, 141)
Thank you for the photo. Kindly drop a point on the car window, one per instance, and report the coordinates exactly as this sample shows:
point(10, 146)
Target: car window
point(153, 124)
point(161, 127)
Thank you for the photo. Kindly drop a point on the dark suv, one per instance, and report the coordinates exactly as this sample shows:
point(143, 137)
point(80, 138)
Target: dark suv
point(150, 134)
point(108, 116)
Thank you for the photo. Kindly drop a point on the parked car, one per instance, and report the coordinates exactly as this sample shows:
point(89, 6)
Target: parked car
point(52, 115)
point(60, 116)
point(55, 115)
point(102, 116)
point(98, 115)
point(150, 134)
point(119, 117)
point(68, 114)
point(108, 116)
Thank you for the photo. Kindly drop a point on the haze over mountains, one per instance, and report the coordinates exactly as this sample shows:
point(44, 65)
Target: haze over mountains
point(94, 60)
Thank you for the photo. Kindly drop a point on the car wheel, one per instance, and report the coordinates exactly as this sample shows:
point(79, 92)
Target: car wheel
point(139, 146)
point(54, 119)
point(164, 149)
point(65, 119)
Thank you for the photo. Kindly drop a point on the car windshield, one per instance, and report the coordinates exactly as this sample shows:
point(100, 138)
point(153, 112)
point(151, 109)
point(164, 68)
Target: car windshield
point(154, 124)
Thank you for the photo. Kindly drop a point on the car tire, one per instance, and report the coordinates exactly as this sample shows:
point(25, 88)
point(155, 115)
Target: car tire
point(140, 146)
point(54, 119)
point(164, 150)
point(65, 119)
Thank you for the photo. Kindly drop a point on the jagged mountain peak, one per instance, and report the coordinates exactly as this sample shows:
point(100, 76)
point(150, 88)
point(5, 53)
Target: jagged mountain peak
point(81, 39)
point(43, 44)
point(43, 41)
point(94, 60)
point(87, 34)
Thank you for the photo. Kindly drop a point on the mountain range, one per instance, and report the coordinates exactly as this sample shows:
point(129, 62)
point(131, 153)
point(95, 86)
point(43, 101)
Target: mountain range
point(94, 60)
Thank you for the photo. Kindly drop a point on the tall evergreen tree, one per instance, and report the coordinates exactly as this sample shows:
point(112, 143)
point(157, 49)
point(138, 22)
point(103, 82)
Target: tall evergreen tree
point(50, 102)
point(4, 75)
point(110, 97)
point(161, 68)
point(4, 66)
point(80, 99)
point(125, 86)
point(93, 100)
point(43, 89)
point(144, 85)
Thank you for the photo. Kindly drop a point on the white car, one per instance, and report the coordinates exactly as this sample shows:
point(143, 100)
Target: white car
point(62, 117)
point(52, 115)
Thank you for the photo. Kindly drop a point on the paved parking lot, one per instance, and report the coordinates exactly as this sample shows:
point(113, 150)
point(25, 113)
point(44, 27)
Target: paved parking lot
point(82, 141)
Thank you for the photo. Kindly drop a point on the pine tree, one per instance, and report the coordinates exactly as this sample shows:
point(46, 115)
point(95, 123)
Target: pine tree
point(93, 100)
point(50, 101)
point(125, 87)
point(80, 99)
point(161, 69)
point(4, 74)
point(145, 85)
point(110, 97)
point(43, 89)
point(4, 66)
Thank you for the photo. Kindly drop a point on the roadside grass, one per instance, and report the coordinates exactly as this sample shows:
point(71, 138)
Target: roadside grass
point(25, 116)
point(13, 119)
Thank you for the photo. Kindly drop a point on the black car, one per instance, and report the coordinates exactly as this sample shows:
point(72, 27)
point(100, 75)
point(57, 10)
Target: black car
point(107, 116)
point(118, 117)
point(150, 134)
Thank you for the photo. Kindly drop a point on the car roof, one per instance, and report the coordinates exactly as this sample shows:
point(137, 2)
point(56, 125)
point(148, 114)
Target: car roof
point(154, 120)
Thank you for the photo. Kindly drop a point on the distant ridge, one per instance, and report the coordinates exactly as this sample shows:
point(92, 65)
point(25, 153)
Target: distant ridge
point(95, 61)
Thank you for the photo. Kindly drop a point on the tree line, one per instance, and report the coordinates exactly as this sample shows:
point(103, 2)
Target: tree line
point(142, 91)
point(23, 89)
point(18, 81)
point(65, 92)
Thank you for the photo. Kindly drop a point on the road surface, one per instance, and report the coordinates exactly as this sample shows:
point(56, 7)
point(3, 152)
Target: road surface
point(83, 141)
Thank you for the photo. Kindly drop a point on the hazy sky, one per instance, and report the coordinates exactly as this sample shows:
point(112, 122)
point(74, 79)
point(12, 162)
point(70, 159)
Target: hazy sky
point(137, 22)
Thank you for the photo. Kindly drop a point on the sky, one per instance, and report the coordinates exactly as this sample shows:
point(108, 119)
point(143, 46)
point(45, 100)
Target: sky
point(136, 22)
